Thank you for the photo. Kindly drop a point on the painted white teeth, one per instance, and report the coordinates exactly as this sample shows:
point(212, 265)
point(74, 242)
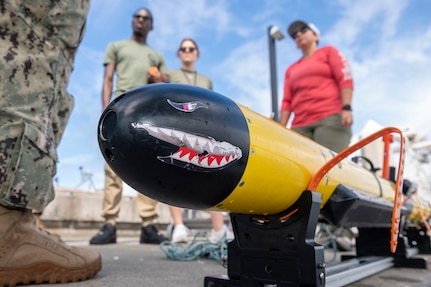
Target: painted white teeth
point(218, 154)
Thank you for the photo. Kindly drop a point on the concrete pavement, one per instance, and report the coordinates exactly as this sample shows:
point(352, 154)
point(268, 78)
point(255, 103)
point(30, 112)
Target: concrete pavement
point(129, 263)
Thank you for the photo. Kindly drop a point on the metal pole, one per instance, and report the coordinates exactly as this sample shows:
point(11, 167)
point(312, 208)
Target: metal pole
point(273, 75)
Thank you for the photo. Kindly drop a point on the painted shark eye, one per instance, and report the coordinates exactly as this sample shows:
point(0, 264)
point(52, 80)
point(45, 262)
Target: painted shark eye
point(187, 107)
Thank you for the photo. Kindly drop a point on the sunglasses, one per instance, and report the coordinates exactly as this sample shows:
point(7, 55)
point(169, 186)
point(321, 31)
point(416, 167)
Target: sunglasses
point(145, 18)
point(302, 30)
point(190, 49)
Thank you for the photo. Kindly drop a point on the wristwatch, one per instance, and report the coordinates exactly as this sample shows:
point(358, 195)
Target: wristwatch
point(347, 108)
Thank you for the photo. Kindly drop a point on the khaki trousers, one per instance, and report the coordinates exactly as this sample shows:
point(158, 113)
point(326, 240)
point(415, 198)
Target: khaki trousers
point(328, 132)
point(147, 207)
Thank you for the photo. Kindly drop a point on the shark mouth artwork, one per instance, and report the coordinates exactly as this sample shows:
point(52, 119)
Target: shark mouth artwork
point(194, 152)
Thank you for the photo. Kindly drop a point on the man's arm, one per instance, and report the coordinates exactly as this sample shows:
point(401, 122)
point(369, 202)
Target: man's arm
point(108, 79)
point(155, 76)
point(160, 73)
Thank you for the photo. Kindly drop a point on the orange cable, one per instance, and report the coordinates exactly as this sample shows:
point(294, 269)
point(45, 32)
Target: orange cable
point(387, 140)
point(317, 177)
point(286, 216)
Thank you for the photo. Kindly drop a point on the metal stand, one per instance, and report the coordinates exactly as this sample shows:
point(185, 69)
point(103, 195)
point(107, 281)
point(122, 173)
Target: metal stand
point(419, 238)
point(280, 251)
point(374, 242)
point(276, 250)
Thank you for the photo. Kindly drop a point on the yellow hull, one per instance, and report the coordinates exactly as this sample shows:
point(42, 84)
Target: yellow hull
point(280, 165)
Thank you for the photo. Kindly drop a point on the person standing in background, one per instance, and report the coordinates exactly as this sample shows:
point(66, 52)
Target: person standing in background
point(38, 43)
point(318, 89)
point(136, 64)
point(188, 52)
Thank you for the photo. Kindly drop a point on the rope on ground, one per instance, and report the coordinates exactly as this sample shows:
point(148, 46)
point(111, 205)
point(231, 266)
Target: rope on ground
point(199, 247)
point(329, 239)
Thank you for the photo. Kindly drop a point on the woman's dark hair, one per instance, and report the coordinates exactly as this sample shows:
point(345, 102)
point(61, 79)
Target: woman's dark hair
point(188, 39)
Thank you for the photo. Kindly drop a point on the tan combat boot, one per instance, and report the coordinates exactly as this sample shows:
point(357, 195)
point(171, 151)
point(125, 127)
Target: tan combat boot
point(39, 223)
point(29, 255)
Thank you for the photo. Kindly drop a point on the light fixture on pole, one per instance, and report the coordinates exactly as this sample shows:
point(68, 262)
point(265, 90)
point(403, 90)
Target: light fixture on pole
point(274, 33)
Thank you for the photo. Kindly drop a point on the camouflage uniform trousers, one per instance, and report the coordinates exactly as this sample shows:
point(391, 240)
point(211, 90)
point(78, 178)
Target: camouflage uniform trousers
point(38, 42)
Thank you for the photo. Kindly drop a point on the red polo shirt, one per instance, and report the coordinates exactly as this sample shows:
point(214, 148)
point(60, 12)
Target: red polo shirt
point(312, 86)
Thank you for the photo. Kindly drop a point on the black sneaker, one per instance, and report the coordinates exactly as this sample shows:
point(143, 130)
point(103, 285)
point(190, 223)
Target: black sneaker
point(107, 234)
point(150, 234)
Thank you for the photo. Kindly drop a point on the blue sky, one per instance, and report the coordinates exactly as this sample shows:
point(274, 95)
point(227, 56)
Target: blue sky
point(387, 43)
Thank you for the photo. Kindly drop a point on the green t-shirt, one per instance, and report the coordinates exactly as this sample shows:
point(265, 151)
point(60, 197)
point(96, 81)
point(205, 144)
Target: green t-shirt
point(190, 78)
point(132, 61)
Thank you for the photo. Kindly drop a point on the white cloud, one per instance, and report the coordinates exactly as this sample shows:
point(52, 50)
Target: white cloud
point(246, 70)
point(362, 21)
point(178, 19)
